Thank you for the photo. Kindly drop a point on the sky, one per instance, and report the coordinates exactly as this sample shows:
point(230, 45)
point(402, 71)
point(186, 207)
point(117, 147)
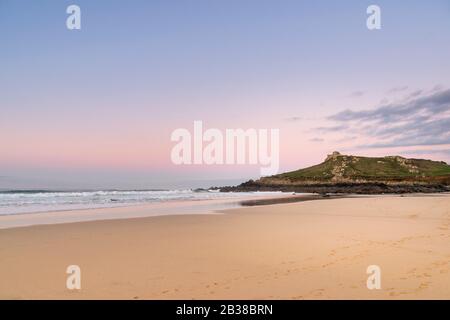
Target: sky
point(95, 108)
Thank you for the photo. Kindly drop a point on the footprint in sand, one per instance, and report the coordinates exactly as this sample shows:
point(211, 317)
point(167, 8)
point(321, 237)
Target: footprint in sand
point(396, 294)
point(413, 270)
point(327, 264)
point(423, 286)
point(317, 292)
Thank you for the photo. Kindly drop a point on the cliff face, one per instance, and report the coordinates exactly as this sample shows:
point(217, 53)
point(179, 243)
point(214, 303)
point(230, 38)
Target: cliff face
point(348, 173)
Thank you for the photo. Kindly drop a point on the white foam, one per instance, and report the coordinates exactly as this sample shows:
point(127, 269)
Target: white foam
point(33, 202)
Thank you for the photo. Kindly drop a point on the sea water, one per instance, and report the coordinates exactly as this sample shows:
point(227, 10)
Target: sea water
point(33, 201)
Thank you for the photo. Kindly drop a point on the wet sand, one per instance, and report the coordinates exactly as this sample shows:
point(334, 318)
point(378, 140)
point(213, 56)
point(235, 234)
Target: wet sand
point(306, 250)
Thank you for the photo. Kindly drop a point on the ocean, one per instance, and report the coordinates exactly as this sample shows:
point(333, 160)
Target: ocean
point(33, 201)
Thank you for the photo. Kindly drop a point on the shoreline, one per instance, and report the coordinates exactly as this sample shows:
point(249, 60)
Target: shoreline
point(20, 202)
point(293, 199)
point(174, 208)
point(128, 211)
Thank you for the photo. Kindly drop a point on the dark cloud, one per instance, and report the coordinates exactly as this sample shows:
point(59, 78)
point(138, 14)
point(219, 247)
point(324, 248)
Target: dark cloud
point(293, 119)
point(332, 129)
point(397, 89)
point(345, 139)
point(299, 118)
point(415, 93)
point(356, 94)
point(421, 120)
point(425, 151)
point(437, 87)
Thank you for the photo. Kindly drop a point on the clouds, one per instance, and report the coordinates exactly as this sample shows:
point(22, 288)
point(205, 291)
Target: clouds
point(397, 89)
point(332, 128)
point(294, 119)
point(357, 94)
point(421, 119)
point(426, 151)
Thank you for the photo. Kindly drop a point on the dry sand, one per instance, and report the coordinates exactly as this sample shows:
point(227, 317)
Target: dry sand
point(310, 250)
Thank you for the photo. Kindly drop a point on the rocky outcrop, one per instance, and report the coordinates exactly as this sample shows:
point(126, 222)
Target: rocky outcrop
point(362, 175)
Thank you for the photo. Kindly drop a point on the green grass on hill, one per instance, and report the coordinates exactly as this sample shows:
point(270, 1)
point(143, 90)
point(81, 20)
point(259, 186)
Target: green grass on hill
point(369, 168)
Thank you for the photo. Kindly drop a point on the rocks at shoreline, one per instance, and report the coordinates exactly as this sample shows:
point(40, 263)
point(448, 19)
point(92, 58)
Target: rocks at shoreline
point(344, 188)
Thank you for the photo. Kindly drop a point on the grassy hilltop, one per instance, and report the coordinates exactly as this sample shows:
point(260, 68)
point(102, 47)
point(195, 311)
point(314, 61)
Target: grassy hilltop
point(354, 174)
point(338, 167)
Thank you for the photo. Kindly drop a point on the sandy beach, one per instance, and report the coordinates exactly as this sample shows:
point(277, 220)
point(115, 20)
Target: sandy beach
point(308, 250)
